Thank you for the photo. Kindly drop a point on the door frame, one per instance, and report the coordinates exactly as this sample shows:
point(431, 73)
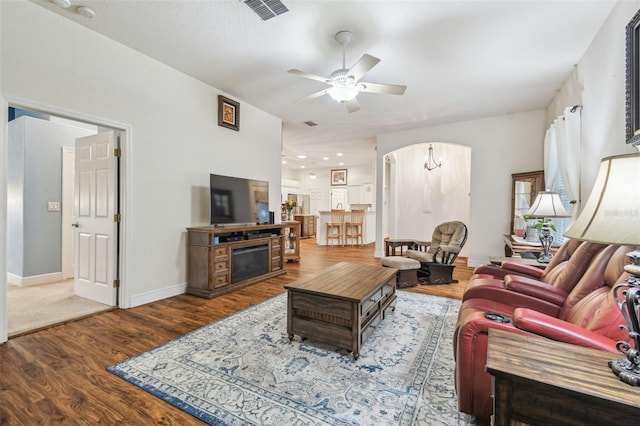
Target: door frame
point(124, 191)
point(68, 169)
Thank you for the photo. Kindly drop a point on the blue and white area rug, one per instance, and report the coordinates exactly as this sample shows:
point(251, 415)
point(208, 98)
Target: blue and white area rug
point(243, 370)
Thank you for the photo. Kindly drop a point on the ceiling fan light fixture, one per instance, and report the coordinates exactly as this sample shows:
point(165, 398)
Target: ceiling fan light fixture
point(343, 93)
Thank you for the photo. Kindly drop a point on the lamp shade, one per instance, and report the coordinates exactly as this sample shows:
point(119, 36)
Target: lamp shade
point(343, 93)
point(612, 212)
point(547, 204)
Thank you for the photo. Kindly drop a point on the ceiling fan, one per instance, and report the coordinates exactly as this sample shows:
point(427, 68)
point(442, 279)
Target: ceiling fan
point(345, 83)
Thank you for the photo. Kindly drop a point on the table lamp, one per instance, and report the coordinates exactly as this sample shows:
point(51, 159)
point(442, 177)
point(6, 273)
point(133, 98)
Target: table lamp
point(547, 205)
point(612, 216)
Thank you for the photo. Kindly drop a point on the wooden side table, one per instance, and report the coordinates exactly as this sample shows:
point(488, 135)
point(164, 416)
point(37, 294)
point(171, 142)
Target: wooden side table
point(391, 244)
point(543, 382)
point(514, 246)
point(497, 260)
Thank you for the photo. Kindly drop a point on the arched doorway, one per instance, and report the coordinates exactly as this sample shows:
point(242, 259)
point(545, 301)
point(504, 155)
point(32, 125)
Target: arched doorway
point(416, 200)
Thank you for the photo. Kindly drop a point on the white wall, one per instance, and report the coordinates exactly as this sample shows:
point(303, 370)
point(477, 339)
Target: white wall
point(173, 142)
point(598, 83)
point(499, 146)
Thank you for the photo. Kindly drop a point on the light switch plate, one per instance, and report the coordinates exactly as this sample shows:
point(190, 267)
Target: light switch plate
point(53, 206)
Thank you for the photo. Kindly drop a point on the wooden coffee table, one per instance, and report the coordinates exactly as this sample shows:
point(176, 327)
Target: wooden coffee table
point(342, 305)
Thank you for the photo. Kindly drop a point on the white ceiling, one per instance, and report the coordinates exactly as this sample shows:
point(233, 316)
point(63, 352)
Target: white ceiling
point(459, 59)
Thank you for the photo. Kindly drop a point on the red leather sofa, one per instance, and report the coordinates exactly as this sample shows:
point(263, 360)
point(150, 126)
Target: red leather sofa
point(587, 315)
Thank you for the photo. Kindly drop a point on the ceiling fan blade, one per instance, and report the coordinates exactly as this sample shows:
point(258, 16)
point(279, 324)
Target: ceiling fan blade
point(387, 89)
point(313, 95)
point(352, 105)
point(364, 64)
point(308, 75)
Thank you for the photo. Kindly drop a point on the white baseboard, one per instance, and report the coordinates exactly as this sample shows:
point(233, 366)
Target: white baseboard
point(155, 295)
point(16, 280)
point(475, 263)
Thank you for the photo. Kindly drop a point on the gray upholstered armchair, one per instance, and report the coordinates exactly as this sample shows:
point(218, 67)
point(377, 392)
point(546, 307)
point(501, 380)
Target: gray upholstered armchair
point(436, 261)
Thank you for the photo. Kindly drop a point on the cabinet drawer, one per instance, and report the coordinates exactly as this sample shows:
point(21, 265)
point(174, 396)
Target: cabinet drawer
point(389, 307)
point(275, 251)
point(388, 291)
point(370, 328)
point(219, 267)
point(276, 264)
point(219, 252)
point(374, 298)
point(370, 313)
point(220, 280)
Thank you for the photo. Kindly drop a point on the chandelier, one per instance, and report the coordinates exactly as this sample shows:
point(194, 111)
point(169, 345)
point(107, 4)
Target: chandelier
point(430, 162)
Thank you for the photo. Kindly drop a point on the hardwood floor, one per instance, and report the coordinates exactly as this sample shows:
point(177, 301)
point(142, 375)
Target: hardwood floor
point(59, 376)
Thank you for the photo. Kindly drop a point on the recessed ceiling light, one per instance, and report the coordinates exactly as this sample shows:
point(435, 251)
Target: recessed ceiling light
point(339, 154)
point(284, 161)
point(312, 175)
point(325, 158)
point(62, 3)
point(301, 156)
point(86, 12)
point(341, 164)
point(302, 167)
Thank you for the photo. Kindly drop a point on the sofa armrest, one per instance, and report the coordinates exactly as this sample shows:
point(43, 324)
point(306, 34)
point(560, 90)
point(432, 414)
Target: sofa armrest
point(538, 289)
point(522, 269)
point(489, 271)
point(557, 329)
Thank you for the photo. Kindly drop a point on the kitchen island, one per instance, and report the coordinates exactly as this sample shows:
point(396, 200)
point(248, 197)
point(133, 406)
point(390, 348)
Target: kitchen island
point(368, 225)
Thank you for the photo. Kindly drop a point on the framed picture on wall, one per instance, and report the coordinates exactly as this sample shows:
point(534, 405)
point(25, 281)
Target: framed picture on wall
point(632, 74)
point(228, 113)
point(338, 177)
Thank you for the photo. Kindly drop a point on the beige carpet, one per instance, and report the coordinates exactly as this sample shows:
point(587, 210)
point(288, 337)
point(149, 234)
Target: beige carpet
point(34, 307)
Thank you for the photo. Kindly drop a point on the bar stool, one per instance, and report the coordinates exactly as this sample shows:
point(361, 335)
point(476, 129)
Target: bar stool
point(353, 228)
point(337, 222)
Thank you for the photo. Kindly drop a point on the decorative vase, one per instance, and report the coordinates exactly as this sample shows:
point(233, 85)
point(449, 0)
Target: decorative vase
point(532, 234)
point(289, 215)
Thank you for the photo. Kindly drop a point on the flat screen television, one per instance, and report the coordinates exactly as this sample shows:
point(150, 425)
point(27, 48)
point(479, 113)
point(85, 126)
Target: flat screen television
point(235, 200)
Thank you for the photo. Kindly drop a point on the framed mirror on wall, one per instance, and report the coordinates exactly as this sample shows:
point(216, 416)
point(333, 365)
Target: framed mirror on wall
point(524, 188)
point(632, 86)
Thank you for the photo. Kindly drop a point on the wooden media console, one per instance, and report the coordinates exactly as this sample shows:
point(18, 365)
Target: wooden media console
point(223, 259)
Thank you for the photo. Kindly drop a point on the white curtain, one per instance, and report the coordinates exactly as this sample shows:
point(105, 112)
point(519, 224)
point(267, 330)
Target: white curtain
point(551, 157)
point(562, 155)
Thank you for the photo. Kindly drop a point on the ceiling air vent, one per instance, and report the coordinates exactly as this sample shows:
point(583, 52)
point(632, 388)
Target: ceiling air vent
point(267, 9)
point(310, 123)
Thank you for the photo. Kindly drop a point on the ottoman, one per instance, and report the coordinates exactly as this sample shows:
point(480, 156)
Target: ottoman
point(407, 270)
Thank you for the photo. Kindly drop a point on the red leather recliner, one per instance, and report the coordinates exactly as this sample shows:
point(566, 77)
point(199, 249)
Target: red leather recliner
point(588, 316)
point(558, 280)
point(566, 250)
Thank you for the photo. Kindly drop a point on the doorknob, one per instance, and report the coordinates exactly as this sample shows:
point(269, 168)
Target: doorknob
point(75, 225)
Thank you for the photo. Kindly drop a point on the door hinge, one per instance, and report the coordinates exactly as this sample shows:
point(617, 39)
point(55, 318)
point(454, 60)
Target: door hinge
point(116, 217)
point(116, 283)
point(117, 152)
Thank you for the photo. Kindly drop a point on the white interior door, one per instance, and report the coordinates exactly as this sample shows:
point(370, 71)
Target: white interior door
point(95, 205)
point(316, 201)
